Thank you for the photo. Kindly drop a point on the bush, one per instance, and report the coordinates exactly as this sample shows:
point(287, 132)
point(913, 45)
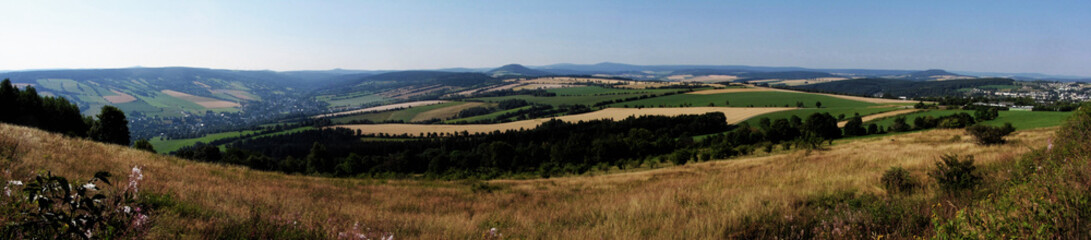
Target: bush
point(680, 157)
point(897, 180)
point(51, 207)
point(988, 135)
point(954, 174)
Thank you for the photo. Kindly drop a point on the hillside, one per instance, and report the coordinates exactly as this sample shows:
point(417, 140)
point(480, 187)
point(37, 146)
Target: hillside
point(906, 88)
point(516, 70)
point(702, 200)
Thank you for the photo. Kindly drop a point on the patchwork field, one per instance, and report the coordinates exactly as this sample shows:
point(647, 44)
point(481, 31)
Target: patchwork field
point(745, 98)
point(203, 101)
point(734, 115)
point(385, 108)
point(426, 111)
point(120, 97)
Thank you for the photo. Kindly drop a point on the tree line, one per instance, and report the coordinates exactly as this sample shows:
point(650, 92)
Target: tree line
point(56, 114)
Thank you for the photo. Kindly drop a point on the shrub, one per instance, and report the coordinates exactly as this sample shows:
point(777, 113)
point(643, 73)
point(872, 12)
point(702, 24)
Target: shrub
point(988, 135)
point(680, 157)
point(954, 174)
point(897, 180)
point(50, 207)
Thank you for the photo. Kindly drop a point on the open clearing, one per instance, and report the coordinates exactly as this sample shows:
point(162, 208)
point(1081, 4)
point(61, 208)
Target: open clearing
point(696, 201)
point(727, 90)
point(384, 108)
point(203, 101)
point(734, 115)
point(119, 98)
point(746, 99)
point(854, 98)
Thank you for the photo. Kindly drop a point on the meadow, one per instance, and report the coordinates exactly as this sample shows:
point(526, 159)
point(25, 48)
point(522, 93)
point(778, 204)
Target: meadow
point(414, 114)
point(1019, 119)
point(170, 145)
point(716, 199)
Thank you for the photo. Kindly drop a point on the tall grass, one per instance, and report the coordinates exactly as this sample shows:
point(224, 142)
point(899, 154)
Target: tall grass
point(713, 199)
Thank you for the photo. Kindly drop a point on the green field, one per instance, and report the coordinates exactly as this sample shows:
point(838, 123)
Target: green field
point(806, 112)
point(746, 99)
point(563, 100)
point(1021, 120)
point(166, 146)
point(592, 90)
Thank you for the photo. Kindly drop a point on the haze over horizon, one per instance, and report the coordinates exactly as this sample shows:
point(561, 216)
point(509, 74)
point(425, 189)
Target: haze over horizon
point(980, 36)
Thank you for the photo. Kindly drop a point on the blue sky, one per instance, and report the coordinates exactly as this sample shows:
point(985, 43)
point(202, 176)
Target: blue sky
point(1052, 37)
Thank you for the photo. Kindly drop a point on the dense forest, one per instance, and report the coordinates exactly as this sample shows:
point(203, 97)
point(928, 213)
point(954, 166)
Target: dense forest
point(906, 88)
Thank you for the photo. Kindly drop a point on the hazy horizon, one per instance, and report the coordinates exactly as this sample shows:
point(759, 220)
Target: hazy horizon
point(977, 36)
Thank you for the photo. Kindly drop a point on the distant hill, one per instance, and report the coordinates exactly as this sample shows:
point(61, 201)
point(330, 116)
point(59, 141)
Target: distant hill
point(784, 75)
point(446, 81)
point(930, 75)
point(516, 70)
point(148, 90)
point(898, 87)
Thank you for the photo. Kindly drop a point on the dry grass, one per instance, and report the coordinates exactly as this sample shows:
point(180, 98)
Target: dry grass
point(119, 98)
point(696, 201)
point(384, 108)
point(734, 115)
point(203, 101)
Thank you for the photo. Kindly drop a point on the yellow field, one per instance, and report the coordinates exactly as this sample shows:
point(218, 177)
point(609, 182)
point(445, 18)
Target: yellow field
point(734, 115)
point(203, 101)
point(119, 98)
point(695, 201)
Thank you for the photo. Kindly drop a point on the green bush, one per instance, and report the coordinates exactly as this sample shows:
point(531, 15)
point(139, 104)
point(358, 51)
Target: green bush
point(988, 135)
point(51, 207)
point(954, 174)
point(897, 180)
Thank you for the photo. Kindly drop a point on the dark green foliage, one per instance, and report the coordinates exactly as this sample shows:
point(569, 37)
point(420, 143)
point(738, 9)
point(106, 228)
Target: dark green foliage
point(954, 174)
point(988, 135)
point(899, 125)
point(200, 152)
point(855, 127)
point(27, 108)
point(51, 207)
point(143, 144)
point(872, 129)
point(897, 180)
point(986, 113)
point(681, 156)
point(111, 127)
point(555, 147)
point(823, 125)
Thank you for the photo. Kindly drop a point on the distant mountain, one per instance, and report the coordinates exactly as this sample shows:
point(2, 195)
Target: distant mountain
point(930, 75)
point(516, 70)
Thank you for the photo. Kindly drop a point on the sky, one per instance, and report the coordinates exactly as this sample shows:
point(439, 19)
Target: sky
point(1051, 37)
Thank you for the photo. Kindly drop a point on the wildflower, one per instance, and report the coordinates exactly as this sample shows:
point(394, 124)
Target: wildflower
point(134, 178)
point(1050, 146)
point(90, 186)
point(126, 209)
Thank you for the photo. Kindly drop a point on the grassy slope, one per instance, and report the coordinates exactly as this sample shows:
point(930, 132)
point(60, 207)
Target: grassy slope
point(1018, 119)
point(561, 100)
point(694, 201)
point(592, 90)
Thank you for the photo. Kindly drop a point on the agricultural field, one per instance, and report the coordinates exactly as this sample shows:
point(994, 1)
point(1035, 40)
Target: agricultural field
point(596, 90)
point(166, 146)
point(443, 110)
point(805, 112)
point(734, 115)
point(563, 100)
point(746, 99)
